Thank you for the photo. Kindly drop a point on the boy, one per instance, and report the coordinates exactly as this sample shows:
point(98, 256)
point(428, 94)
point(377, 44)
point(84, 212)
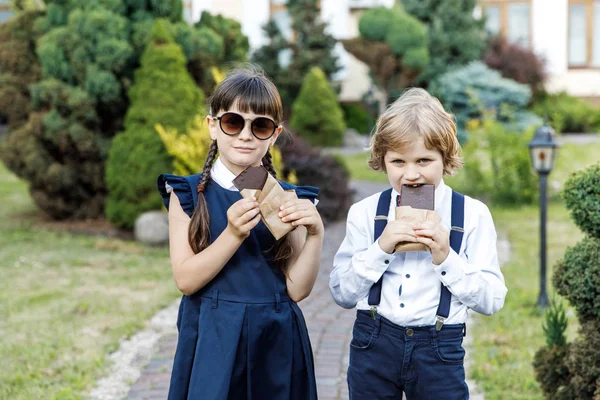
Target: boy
point(412, 306)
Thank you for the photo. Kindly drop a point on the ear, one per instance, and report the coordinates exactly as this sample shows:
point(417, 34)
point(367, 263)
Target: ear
point(212, 127)
point(275, 136)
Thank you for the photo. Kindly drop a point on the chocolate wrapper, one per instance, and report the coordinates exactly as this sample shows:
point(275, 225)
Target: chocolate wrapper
point(270, 198)
point(407, 213)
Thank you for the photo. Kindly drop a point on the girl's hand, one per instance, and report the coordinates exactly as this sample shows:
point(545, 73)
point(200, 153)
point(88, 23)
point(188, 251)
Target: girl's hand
point(434, 236)
point(302, 212)
point(396, 231)
point(243, 215)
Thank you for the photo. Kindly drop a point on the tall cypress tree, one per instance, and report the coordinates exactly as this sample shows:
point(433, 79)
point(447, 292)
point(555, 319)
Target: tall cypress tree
point(456, 37)
point(311, 47)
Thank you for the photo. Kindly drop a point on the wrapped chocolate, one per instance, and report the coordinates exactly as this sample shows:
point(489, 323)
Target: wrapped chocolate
point(416, 205)
point(257, 182)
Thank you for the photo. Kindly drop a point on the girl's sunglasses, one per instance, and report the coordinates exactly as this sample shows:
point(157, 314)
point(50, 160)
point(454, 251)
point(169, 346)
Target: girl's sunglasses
point(233, 123)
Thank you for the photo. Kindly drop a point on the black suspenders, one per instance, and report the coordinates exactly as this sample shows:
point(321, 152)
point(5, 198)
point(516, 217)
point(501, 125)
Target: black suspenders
point(456, 235)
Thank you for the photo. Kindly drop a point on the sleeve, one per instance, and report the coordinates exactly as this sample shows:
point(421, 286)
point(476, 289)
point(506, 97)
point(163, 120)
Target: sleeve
point(168, 183)
point(303, 192)
point(358, 263)
point(477, 280)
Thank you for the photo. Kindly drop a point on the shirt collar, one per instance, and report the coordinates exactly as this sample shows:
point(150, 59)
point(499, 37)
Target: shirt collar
point(222, 175)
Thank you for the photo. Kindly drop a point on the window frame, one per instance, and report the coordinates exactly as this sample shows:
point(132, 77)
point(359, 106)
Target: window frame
point(503, 6)
point(589, 36)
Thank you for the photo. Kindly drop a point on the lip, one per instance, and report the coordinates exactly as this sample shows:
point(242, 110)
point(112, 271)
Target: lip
point(244, 149)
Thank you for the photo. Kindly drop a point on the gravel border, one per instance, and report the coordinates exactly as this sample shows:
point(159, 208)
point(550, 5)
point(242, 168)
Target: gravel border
point(134, 354)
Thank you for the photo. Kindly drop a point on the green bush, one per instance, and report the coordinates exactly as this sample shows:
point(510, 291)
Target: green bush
point(393, 44)
point(497, 165)
point(583, 361)
point(317, 115)
point(551, 371)
point(358, 118)
point(567, 113)
point(582, 197)
point(471, 91)
point(163, 93)
point(577, 277)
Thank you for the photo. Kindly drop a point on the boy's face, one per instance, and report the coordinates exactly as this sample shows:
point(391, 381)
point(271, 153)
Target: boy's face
point(414, 165)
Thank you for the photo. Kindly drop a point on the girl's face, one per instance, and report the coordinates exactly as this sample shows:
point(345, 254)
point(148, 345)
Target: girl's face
point(414, 165)
point(242, 150)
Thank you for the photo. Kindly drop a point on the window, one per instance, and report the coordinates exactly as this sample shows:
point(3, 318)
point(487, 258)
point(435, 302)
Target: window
point(509, 18)
point(584, 33)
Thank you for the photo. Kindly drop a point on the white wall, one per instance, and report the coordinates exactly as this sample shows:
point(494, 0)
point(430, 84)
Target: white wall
point(550, 33)
point(256, 14)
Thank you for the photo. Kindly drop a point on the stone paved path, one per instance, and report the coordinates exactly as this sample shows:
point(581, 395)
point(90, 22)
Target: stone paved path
point(329, 325)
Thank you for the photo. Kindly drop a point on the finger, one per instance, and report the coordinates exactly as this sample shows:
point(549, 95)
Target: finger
point(427, 242)
point(297, 215)
point(247, 216)
point(305, 221)
point(405, 238)
point(247, 227)
point(426, 233)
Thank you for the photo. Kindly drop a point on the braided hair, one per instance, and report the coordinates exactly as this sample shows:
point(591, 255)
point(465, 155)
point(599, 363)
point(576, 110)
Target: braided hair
point(199, 231)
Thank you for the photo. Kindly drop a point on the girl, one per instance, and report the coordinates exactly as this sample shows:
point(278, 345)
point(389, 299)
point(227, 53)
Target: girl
point(241, 333)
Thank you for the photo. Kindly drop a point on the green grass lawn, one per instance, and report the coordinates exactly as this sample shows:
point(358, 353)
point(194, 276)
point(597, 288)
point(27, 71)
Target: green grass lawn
point(66, 300)
point(505, 343)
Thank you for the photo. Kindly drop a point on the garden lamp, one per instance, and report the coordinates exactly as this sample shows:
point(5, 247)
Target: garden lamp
point(542, 150)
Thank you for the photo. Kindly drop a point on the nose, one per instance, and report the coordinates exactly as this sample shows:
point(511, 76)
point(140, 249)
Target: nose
point(412, 173)
point(246, 133)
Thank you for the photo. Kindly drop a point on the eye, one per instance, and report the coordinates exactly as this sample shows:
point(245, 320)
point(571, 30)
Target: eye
point(424, 160)
point(397, 161)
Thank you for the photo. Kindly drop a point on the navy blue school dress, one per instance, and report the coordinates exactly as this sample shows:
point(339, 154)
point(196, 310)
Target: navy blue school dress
point(240, 336)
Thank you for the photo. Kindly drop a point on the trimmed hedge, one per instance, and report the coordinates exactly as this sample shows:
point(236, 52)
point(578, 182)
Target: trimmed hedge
point(582, 197)
point(163, 93)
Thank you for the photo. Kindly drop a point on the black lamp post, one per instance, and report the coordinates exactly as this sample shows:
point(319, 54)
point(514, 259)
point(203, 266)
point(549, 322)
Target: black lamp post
point(542, 150)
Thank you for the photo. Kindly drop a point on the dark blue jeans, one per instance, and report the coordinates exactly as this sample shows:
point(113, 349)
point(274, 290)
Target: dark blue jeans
point(387, 360)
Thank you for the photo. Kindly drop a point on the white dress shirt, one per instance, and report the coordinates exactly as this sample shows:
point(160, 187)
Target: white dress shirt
point(411, 282)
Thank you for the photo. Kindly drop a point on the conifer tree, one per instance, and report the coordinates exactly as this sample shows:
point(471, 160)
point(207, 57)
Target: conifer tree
point(137, 155)
point(316, 114)
point(456, 37)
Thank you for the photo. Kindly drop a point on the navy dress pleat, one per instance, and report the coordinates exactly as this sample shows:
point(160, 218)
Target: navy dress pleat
point(240, 336)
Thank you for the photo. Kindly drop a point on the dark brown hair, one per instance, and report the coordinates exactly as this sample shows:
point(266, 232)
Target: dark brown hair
point(251, 91)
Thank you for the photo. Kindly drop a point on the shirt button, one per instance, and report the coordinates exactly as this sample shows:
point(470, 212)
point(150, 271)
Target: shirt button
point(401, 305)
point(409, 332)
point(443, 273)
point(400, 291)
point(387, 261)
point(408, 275)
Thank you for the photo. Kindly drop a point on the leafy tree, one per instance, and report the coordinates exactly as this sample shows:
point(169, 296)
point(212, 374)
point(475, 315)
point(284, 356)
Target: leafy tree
point(393, 44)
point(456, 37)
point(137, 155)
point(317, 116)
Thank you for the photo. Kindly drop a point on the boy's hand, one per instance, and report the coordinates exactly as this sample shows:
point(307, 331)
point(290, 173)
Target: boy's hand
point(396, 231)
point(302, 212)
point(243, 215)
point(434, 236)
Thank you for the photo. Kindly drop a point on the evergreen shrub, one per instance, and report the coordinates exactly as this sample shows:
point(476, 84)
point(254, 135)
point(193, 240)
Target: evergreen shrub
point(317, 115)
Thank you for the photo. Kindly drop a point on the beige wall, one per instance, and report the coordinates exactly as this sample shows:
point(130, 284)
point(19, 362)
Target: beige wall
point(577, 82)
point(357, 81)
point(229, 8)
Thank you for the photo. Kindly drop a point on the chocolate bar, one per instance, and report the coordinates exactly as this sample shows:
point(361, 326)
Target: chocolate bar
point(251, 178)
point(420, 197)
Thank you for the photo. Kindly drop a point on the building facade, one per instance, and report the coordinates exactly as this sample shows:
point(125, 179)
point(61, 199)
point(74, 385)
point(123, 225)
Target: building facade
point(566, 33)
